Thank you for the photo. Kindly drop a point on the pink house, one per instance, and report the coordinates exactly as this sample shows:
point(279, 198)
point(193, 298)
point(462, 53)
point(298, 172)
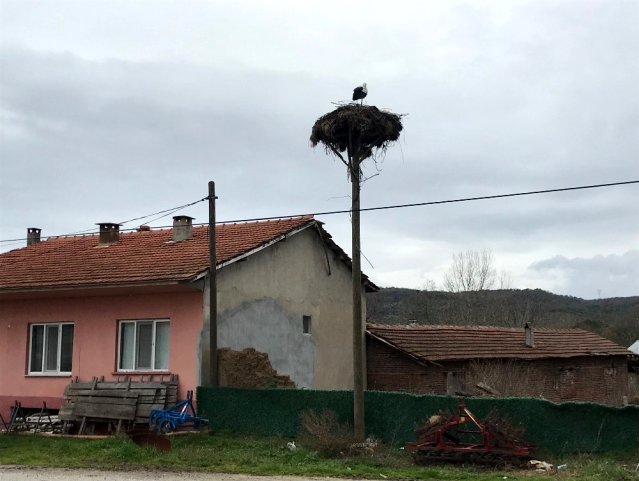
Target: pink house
point(135, 304)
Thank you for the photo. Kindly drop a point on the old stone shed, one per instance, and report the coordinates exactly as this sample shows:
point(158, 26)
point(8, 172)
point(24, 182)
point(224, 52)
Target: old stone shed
point(554, 364)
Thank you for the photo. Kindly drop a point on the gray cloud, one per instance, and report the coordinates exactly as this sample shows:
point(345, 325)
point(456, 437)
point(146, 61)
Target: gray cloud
point(109, 113)
point(598, 276)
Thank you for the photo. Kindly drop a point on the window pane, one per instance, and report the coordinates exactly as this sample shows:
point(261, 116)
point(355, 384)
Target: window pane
point(144, 347)
point(51, 351)
point(37, 342)
point(127, 349)
point(66, 355)
point(162, 345)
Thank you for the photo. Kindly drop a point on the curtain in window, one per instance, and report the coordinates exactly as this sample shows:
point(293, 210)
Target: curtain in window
point(127, 349)
point(51, 348)
point(145, 345)
point(66, 348)
point(162, 345)
point(37, 345)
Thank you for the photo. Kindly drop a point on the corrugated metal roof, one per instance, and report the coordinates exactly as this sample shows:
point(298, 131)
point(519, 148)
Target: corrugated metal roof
point(439, 343)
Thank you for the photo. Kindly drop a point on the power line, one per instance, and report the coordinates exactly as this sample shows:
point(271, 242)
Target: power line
point(438, 202)
point(347, 211)
point(92, 230)
point(166, 212)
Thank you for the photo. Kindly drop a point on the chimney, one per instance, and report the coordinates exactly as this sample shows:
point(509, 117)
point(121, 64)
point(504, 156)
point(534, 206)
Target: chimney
point(33, 235)
point(182, 227)
point(529, 336)
point(109, 233)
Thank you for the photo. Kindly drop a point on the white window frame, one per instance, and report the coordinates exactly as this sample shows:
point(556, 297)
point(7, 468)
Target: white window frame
point(135, 323)
point(44, 371)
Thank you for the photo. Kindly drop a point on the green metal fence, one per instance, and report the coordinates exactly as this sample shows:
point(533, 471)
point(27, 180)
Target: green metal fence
point(392, 417)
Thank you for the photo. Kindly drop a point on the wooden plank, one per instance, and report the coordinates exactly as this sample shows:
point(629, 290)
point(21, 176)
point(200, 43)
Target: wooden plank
point(143, 411)
point(108, 400)
point(141, 420)
point(151, 399)
point(105, 410)
point(150, 394)
point(82, 426)
point(117, 385)
point(106, 393)
point(66, 414)
point(171, 395)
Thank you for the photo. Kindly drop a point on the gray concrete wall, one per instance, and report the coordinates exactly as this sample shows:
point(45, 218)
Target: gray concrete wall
point(261, 302)
point(265, 325)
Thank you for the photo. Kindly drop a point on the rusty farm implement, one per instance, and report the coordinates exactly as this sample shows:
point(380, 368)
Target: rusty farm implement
point(463, 438)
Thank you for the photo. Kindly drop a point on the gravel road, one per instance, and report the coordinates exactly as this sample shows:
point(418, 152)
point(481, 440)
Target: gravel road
point(17, 473)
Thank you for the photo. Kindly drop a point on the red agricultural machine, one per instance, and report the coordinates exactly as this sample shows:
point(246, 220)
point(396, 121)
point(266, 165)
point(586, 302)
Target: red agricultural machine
point(463, 438)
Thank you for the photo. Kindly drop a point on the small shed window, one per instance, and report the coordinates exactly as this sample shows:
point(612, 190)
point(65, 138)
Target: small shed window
point(306, 324)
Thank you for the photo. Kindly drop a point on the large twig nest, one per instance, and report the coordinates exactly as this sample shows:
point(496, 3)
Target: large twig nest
point(367, 127)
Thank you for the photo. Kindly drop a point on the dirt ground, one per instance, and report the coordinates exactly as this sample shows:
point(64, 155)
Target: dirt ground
point(17, 473)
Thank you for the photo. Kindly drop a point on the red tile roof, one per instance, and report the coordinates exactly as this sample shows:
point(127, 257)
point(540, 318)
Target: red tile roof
point(138, 257)
point(439, 343)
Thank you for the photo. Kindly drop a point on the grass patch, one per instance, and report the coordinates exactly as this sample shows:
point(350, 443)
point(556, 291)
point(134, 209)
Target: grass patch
point(269, 456)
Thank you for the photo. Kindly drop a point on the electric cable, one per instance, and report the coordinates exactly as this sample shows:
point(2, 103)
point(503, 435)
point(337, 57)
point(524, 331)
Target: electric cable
point(167, 212)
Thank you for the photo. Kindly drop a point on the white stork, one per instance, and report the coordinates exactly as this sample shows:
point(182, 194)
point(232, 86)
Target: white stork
point(360, 92)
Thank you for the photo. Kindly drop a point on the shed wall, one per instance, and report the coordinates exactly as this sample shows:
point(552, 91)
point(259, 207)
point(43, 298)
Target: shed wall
point(601, 379)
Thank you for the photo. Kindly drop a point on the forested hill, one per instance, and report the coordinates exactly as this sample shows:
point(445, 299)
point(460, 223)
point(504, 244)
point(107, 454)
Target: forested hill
point(615, 318)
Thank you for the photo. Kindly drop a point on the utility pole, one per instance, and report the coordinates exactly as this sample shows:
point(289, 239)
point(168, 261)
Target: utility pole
point(358, 334)
point(360, 130)
point(212, 289)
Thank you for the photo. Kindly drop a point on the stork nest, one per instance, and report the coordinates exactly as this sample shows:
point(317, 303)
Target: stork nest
point(366, 126)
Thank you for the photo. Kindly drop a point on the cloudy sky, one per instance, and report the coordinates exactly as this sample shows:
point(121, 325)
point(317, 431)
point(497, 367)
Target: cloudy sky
point(116, 109)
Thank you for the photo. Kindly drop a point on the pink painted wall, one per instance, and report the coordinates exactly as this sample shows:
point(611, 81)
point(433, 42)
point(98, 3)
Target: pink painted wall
point(95, 340)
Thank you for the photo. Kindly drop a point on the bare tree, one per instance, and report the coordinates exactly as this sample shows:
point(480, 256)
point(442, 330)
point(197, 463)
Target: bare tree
point(505, 279)
point(429, 285)
point(471, 271)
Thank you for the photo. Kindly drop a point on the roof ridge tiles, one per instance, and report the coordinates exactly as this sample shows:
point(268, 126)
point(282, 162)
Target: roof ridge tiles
point(471, 327)
point(264, 221)
point(134, 230)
